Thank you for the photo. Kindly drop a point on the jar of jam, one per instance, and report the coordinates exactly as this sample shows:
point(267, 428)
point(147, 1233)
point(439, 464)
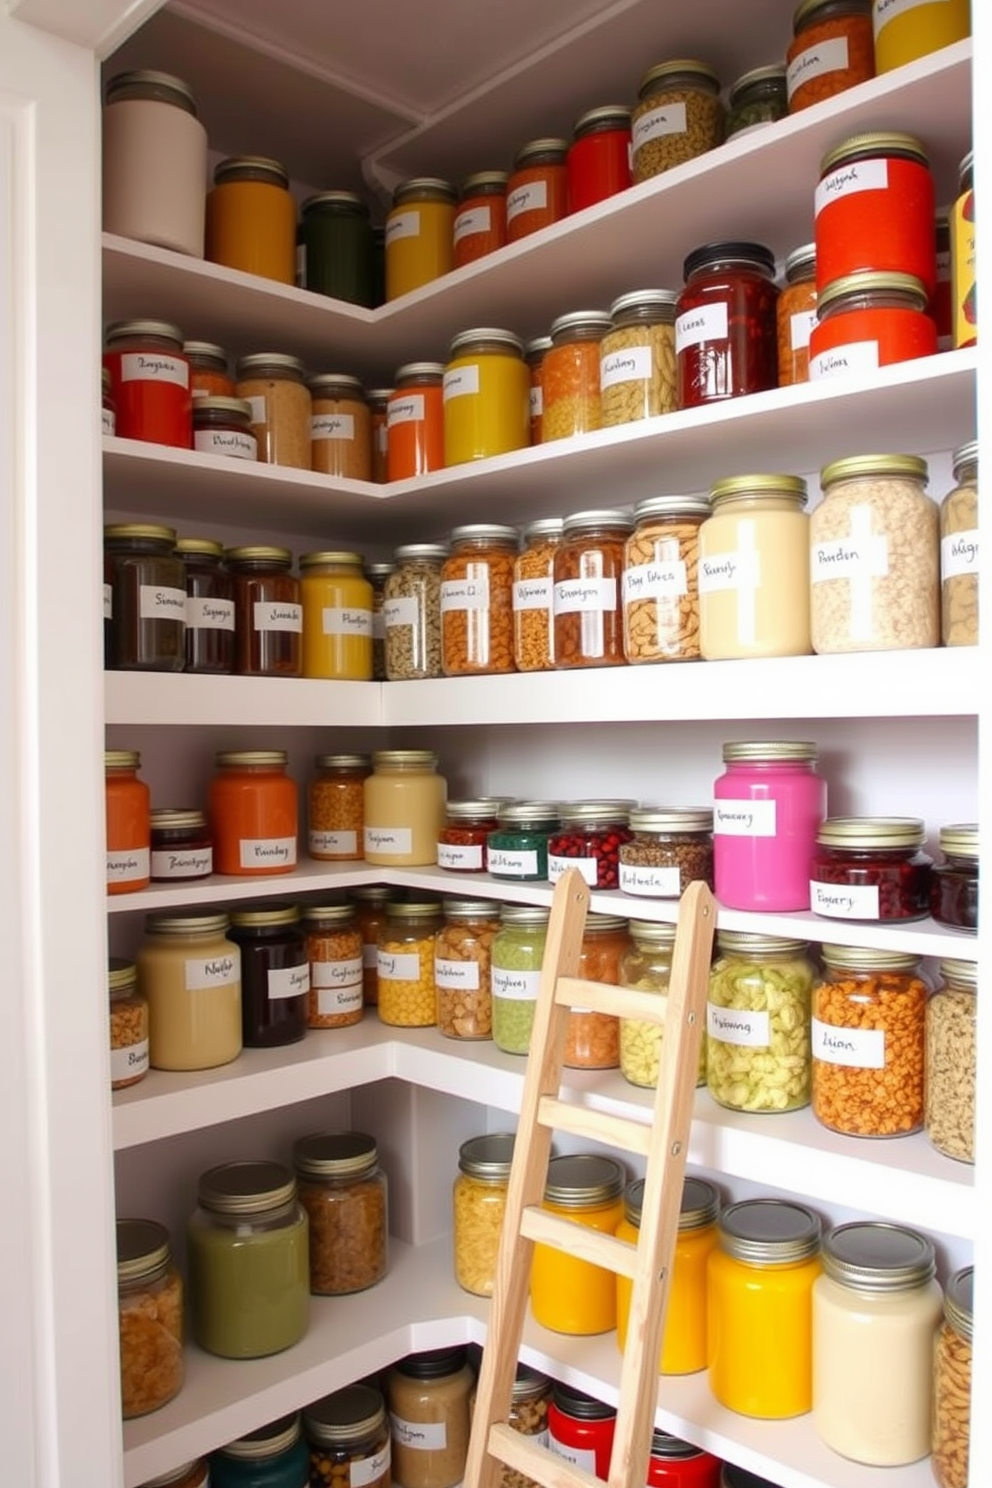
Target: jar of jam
point(486, 396)
point(343, 1190)
point(725, 323)
point(533, 596)
point(795, 315)
point(959, 552)
point(461, 843)
point(210, 616)
point(150, 1314)
point(253, 812)
point(517, 956)
point(182, 846)
point(517, 852)
point(568, 1294)
point(581, 1429)
point(340, 426)
point(646, 966)
point(370, 901)
point(268, 615)
point(874, 210)
point(867, 321)
point(951, 1061)
point(148, 601)
point(274, 387)
point(189, 973)
point(208, 372)
point(832, 49)
point(149, 382)
point(412, 613)
point(336, 238)
point(666, 852)
point(154, 161)
point(677, 117)
point(222, 426)
point(588, 567)
point(462, 968)
point(275, 974)
point(954, 882)
point(407, 993)
point(415, 421)
point(537, 191)
point(404, 808)
point(870, 868)
point(428, 1395)
point(128, 1026)
point(963, 260)
point(571, 399)
point(337, 617)
point(952, 1370)
point(678, 1464)
point(273, 1456)
point(348, 1433)
point(128, 822)
point(251, 218)
point(336, 807)
point(377, 574)
point(480, 222)
point(334, 950)
point(590, 838)
point(904, 33)
point(757, 98)
point(661, 580)
point(378, 399)
point(479, 1204)
point(592, 1040)
point(767, 808)
point(419, 237)
point(534, 354)
point(758, 1023)
point(598, 161)
point(637, 358)
point(477, 601)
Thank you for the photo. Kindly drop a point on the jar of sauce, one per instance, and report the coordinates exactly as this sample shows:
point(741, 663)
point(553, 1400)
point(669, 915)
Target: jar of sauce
point(428, 1395)
point(637, 358)
point(253, 812)
point(371, 901)
point(189, 972)
point(150, 1316)
point(905, 32)
point(677, 117)
point(831, 50)
point(334, 950)
point(476, 600)
point(337, 617)
point(954, 882)
point(182, 847)
point(667, 851)
point(725, 323)
point(517, 852)
point(533, 595)
point(479, 1205)
point(462, 968)
point(336, 238)
point(340, 427)
point(419, 238)
point(486, 392)
point(678, 1464)
point(411, 613)
point(273, 1456)
point(128, 822)
point(407, 994)
point(963, 260)
point(404, 808)
point(415, 421)
point(951, 1061)
point(148, 601)
point(348, 1433)
point(581, 1429)
point(209, 606)
point(154, 161)
point(267, 611)
point(336, 807)
point(795, 315)
point(128, 1026)
point(588, 569)
point(767, 808)
point(869, 320)
point(149, 382)
point(480, 222)
point(208, 374)
point(273, 385)
point(758, 1023)
point(251, 218)
point(517, 956)
point(870, 868)
point(568, 1294)
point(343, 1190)
point(598, 161)
point(275, 974)
point(952, 1370)
point(461, 843)
point(661, 580)
point(537, 191)
point(959, 552)
point(874, 210)
point(570, 373)
point(222, 426)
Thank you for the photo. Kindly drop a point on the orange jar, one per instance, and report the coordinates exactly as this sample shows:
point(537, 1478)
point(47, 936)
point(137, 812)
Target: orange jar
point(208, 374)
point(253, 813)
point(480, 222)
point(251, 218)
point(572, 403)
point(415, 421)
point(537, 191)
point(832, 49)
point(129, 830)
point(534, 354)
point(477, 601)
point(795, 315)
point(340, 426)
point(592, 1040)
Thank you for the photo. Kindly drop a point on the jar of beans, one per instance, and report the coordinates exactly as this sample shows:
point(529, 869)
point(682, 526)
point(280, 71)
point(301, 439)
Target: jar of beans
point(588, 568)
point(954, 882)
point(725, 327)
point(667, 850)
point(340, 426)
point(637, 376)
point(646, 966)
point(336, 801)
point(476, 600)
point(461, 843)
point(343, 1190)
point(570, 375)
point(951, 1061)
point(411, 613)
point(463, 968)
point(348, 1436)
point(677, 117)
point(517, 956)
point(661, 580)
point(334, 950)
point(590, 839)
point(795, 315)
point(592, 1040)
point(407, 996)
point(870, 868)
point(950, 1442)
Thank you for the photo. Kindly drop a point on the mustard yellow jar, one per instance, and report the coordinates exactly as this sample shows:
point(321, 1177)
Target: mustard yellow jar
point(337, 617)
point(569, 1295)
point(486, 396)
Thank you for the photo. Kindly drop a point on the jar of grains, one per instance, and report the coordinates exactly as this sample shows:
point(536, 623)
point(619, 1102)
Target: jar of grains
point(517, 852)
point(904, 33)
point(404, 808)
point(869, 1042)
point(480, 222)
point(337, 617)
point(251, 218)
point(767, 808)
point(150, 1315)
point(370, 901)
point(149, 382)
point(274, 1455)
point(419, 236)
point(268, 616)
point(486, 392)
point(533, 596)
point(950, 1061)
point(461, 843)
point(874, 210)
point(479, 1204)
point(415, 421)
point(950, 1440)
point(831, 49)
point(592, 1040)
point(677, 117)
point(463, 968)
point(128, 822)
point(253, 813)
point(668, 850)
point(128, 1025)
point(477, 600)
point(581, 1429)
point(954, 883)
point(870, 868)
point(537, 191)
point(428, 1395)
point(340, 426)
point(534, 354)
point(795, 315)
point(208, 374)
point(348, 1435)
point(517, 957)
point(571, 397)
point(273, 384)
point(588, 569)
point(336, 243)
point(637, 358)
point(725, 323)
point(148, 600)
point(411, 612)
point(407, 994)
point(757, 98)
point(209, 606)
point(377, 574)
point(569, 1294)
point(678, 1464)
point(379, 423)
point(758, 1022)
point(661, 580)
point(599, 156)
point(336, 807)
point(343, 1190)
point(646, 966)
point(334, 950)
point(589, 839)
point(867, 321)
point(275, 974)
point(222, 426)
point(959, 552)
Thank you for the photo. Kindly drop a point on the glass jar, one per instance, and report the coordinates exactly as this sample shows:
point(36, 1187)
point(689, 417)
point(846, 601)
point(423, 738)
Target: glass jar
point(148, 600)
point(592, 1040)
point(404, 808)
point(588, 567)
point(194, 1474)
point(268, 616)
point(343, 1190)
point(461, 843)
point(517, 852)
point(246, 1254)
point(537, 191)
point(667, 851)
point(795, 315)
point(337, 617)
point(128, 1025)
point(182, 847)
point(874, 210)
point(340, 426)
point(428, 1397)
point(598, 160)
point(415, 421)
point(589, 839)
point(108, 416)
point(534, 354)
point(570, 394)
point(378, 399)
point(870, 868)
point(832, 49)
point(209, 610)
point(867, 321)
point(959, 552)
point(154, 161)
point(677, 117)
point(759, 1288)
point(348, 1433)
point(950, 1441)
point(767, 809)
point(407, 994)
point(377, 574)
point(941, 305)
point(275, 975)
point(905, 32)
point(646, 966)
point(336, 237)
point(637, 358)
point(273, 1456)
point(253, 813)
point(412, 612)
point(869, 1042)
point(951, 1061)
point(963, 260)
point(533, 596)
point(334, 950)
point(222, 426)
point(581, 1429)
point(189, 972)
point(273, 385)
point(678, 1464)
point(568, 1294)
point(758, 1023)
point(683, 1347)
point(954, 883)
point(128, 822)
point(479, 1205)
point(149, 382)
point(875, 1308)
point(208, 374)
point(336, 807)
point(251, 218)
point(150, 1315)
point(757, 98)
point(517, 957)
point(463, 968)
point(486, 391)
point(477, 601)
point(419, 239)
point(725, 323)
point(530, 1400)
point(371, 901)
point(480, 222)
point(661, 580)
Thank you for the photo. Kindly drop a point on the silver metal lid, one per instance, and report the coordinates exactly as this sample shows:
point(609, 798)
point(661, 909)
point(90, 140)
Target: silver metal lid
point(142, 1249)
point(657, 933)
point(959, 1301)
point(246, 1187)
point(484, 532)
point(672, 506)
point(318, 917)
point(342, 761)
point(121, 759)
point(267, 1442)
point(868, 959)
point(146, 83)
point(487, 1157)
point(582, 1180)
point(962, 973)
point(584, 520)
point(700, 1203)
point(606, 116)
point(226, 758)
point(528, 813)
point(648, 300)
point(965, 454)
point(347, 199)
point(486, 808)
point(768, 1232)
point(323, 384)
point(551, 147)
point(543, 527)
point(252, 168)
point(743, 942)
point(593, 813)
point(470, 909)
point(801, 262)
point(594, 323)
point(422, 551)
point(418, 369)
point(125, 330)
point(334, 1154)
point(531, 916)
point(206, 351)
point(876, 1257)
point(491, 334)
point(122, 975)
point(269, 364)
point(424, 188)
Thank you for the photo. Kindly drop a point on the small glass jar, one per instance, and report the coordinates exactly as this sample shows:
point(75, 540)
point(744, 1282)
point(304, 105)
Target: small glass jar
point(334, 950)
point(951, 1061)
point(348, 1433)
point(108, 416)
point(758, 1023)
point(964, 264)
point(517, 957)
point(795, 315)
point(182, 846)
point(954, 883)
point(959, 552)
point(530, 1400)
point(463, 968)
point(874, 210)
point(904, 33)
point(646, 966)
point(371, 901)
point(678, 1464)
point(128, 822)
point(637, 358)
point(832, 49)
point(194, 1474)
point(149, 382)
point(767, 809)
point(415, 421)
point(222, 426)
point(477, 601)
point(150, 1314)
point(588, 568)
point(534, 354)
point(343, 1190)
point(581, 1429)
point(273, 1456)
point(377, 574)
point(661, 580)
point(268, 615)
point(677, 117)
point(412, 613)
point(537, 190)
point(570, 372)
point(479, 1205)
point(725, 323)
point(867, 321)
point(336, 807)
point(208, 372)
point(404, 808)
point(486, 396)
point(598, 161)
point(875, 1308)
point(589, 839)
point(154, 161)
point(869, 1042)
point(251, 218)
point(592, 1040)
point(272, 384)
point(667, 851)
point(378, 399)
point(461, 843)
point(189, 972)
point(419, 239)
point(275, 975)
point(246, 1255)
point(568, 1294)
point(517, 852)
point(336, 238)
point(148, 601)
point(407, 994)
point(210, 617)
point(337, 617)
point(128, 1026)
point(870, 868)
point(428, 1395)
point(951, 1437)
point(757, 98)
point(759, 1288)
point(480, 222)
point(253, 813)
point(533, 596)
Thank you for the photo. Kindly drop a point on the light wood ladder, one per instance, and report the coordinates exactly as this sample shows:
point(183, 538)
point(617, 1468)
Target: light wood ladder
point(663, 1145)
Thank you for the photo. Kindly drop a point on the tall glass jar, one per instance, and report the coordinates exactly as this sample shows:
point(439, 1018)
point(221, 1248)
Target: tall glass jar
point(668, 850)
point(590, 838)
point(598, 160)
point(570, 372)
point(517, 957)
point(517, 852)
point(537, 190)
point(415, 421)
point(411, 613)
point(951, 1438)
point(463, 968)
point(477, 601)
point(725, 323)
point(870, 868)
point(340, 426)
point(951, 1062)
point(128, 822)
point(150, 1315)
point(268, 616)
point(419, 237)
point(677, 117)
point(568, 1294)
point(370, 901)
point(758, 1022)
point(149, 382)
point(533, 596)
point(795, 315)
point(479, 1204)
point(404, 808)
point(646, 966)
point(637, 377)
point(959, 552)
point(831, 50)
point(334, 950)
point(954, 882)
point(275, 974)
point(272, 382)
point(661, 580)
point(189, 972)
point(273, 1456)
point(253, 813)
point(209, 606)
point(128, 1025)
point(148, 602)
point(588, 569)
point(407, 994)
point(767, 809)
point(336, 807)
point(336, 237)
point(251, 218)
point(343, 1190)
point(348, 1433)
point(428, 1395)
point(154, 161)
point(486, 396)
point(592, 1040)
point(337, 617)
point(480, 222)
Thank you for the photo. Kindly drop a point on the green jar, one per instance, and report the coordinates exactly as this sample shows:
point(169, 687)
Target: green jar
point(337, 247)
point(517, 852)
point(517, 956)
point(274, 1456)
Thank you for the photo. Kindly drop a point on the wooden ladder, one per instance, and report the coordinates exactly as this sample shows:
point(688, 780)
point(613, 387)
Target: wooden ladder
point(663, 1145)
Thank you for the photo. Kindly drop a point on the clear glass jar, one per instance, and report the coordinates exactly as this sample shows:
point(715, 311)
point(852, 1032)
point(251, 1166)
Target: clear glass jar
point(209, 606)
point(182, 847)
point(530, 1400)
point(725, 323)
point(343, 1190)
point(581, 1429)
point(128, 1025)
point(888, 229)
point(588, 568)
point(377, 575)
point(275, 974)
point(568, 1294)
point(867, 321)
point(148, 601)
point(767, 809)
point(758, 1022)
point(757, 98)
point(208, 374)
point(425, 1390)
point(370, 901)
point(268, 616)
point(222, 426)
point(461, 843)
point(486, 396)
point(190, 974)
point(951, 1061)
point(337, 245)
point(832, 49)
point(637, 358)
point(273, 384)
point(336, 807)
point(348, 1434)
point(477, 601)
point(334, 950)
point(517, 957)
point(661, 580)
point(870, 868)
point(479, 1204)
point(951, 1438)
point(570, 373)
point(340, 426)
point(411, 613)
point(795, 315)
point(589, 839)
point(463, 968)
point(646, 966)
point(337, 617)
point(154, 161)
point(251, 218)
point(592, 1040)
point(537, 190)
point(254, 813)
point(480, 222)
point(415, 421)
point(404, 808)
point(273, 1456)
point(677, 117)
point(954, 883)
point(598, 160)
point(667, 851)
point(149, 382)
point(533, 596)
point(959, 552)
point(407, 995)
point(517, 852)
point(150, 1315)
point(419, 239)
point(128, 822)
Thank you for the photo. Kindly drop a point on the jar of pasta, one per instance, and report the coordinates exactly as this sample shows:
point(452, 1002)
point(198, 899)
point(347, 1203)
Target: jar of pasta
point(570, 373)
point(477, 600)
point(273, 385)
point(831, 50)
point(568, 1294)
point(725, 326)
point(637, 378)
point(404, 808)
point(669, 849)
point(415, 421)
point(758, 1022)
point(678, 116)
point(588, 569)
point(537, 191)
point(411, 612)
point(251, 218)
point(480, 222)
point(428, 1395)
point(340, 426)
point(208, 374)
point(343, 1190)
point(268, 616)
point(348, 1435)
point(517, 957)
point(337, 617)
point(463, 967)
point(150, 1315)
point(479, 1200)
point(407, 994)
point(486, 396)
point(128, 1025)
point(661, 580)
point(952, 1350)
point(419, 235)
point(336, 807)
point(533, 596)
point(334, 950)
point(795, 315)
point(370, 901)
point(189, 973)
point(959, 552)
point(646, 966)
point(592, 1040)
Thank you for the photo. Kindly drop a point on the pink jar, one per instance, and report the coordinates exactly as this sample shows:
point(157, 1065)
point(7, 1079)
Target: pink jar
point(767, 807)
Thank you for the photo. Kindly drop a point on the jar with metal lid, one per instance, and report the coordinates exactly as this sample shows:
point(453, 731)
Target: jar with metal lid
point(246, 1255)
point(598, 160)
point(570, 373)
point(128, 1025)
point(875, 1307)
point(760, 1279)
point(486, 390)
point(754, 569)
point(274, 386)
point(678, 1464)
point(337, 617)
point(757, 98)
point(273, 1456)
point(108, 414)
point(963, 261)
point(148, 605)
point(222, 426)
point(480, 222)
point(589, 839)
point(344, 1192)
point(950, 1061)
point(661, 580)
point(669, 848)
point(149, 382)
point(150, 1314)
point(404, 808)
point(370, 901)
point(412, 613)
point(182, 847)
point(954, 882)
point(189, 972)
point(334, 950)
point(588, 568)
point(725, 323)
point(530, 1401)
point(795, 315)
point(348, 1433)
point(517, 957)
point(378, 400)
point(537, 190)
point(959, 552)
point(831, 50)
point(208, 374)
point(463, 968)
point(251, 218)
point(154, 161)
point(677, 117)
point(336, 807)
point(867, 321)
point(869, 1042)
point(952, 1350)
point(377, 574)
point(904, 33)
point(128, 822)
point(461, 843)
point(533, 596)
point(581, 1429)
point(275, 974)
point(253, 812)
point(419, 236)
point(517, 852)
point(767, 808)
point(592, 1039)
point(268, 616)
point(210, 613)
point(479, 1205)
point(534, 354)
point(476, 601)
point(568, 1294)
point(336, 238)
point(870, 868)
point(195, 1474)
point(637, 378)
point(646, 965)
point(428, 1395)
point(407, 993)
point(874, 210)
point(758, 1022)
point(415, 421)
point(340, 426)
point(683, 1347)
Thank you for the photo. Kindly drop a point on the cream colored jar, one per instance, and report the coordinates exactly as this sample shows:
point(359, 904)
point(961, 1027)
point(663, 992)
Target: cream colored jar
point(190, 974)
point(404, 808)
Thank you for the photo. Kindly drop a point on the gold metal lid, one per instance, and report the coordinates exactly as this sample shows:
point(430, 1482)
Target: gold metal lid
point(424, 188)
point(221, 403)
point(231, 758)
point(266, 917)
point(547, 151)
point(868, 282)
point(404, 759)
point(251, 168)
point(350, 200)
point(770, 750)
point(875, 142)
point(325, 384)
point(317, 915)
point(260, 553)
point(598, 120)
point(204, 547)
point(961, 973)
point(150, 531)
point(175, 818)
point(122, 976)
point(733, 487)
point(147, 84)
point(869, 467)
point(343, 761)
point(773, 72)
point(655, 932)
point(121, 759)
point(168, 922)
point(965, 454)
point(205, 351)
point(486, 335)
point(872, 831)
point(269, 364)
point(678, 67)
point(330, 560)
point(485, 183)
point(121, 330)
point(530, 916)
point(960, 840)
point(414, 909)
point(266, 1442)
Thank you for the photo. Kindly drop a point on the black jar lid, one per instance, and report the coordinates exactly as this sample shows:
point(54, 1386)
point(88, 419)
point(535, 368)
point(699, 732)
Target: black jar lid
point(433, 1363)
point(669, 1448)
point(735, 251)
point(583, 1407)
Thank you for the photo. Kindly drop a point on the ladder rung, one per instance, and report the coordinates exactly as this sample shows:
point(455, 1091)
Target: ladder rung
point(615, 1002)
point(528, 1457)
point(578, 1240)
point(597, 1126)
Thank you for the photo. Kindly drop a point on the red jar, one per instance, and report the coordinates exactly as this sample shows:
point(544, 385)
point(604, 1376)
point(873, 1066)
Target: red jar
point(150, 382)
point(874, 210)
point(599, 156)
point(480, 222)
point(725, 323)
point(592, 833)
point(537, 191)
point(870, 868)
point(678, 1464)
point(254, 813)
point(867, 321)
point(129, 831)
point(580, 1429)
point(461, 843)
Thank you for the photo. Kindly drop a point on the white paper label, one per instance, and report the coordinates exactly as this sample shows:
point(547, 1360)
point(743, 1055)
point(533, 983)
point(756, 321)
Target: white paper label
point(161, 604)
point(584, 1457)
point(460, 381)
point(959, 554)
point(406, 410)
point(130, 1062)
point(342, 622)
point(233, 443)
point(705, 323)
point(587, 867)
point(844, 901)
point(513, 863)
point(847, 180)
point(129, 865)
point(462, 857)
point(633, 364)
point(108, 601)
point(209, 614)
point(343, 975)
point(516, 986)
point(850, 558)
point(658, 122)
point(203, 972)
point(402, 225)
point(267, 852)
point(748, 1030)
point(334, 842)
point(108, 423)
point(855, 1048)
point(399, 966)
point(856, 356)
point(190, 862)
point(456, 976)
point(572, 596)
point(332, 1001)
point(365, 1470)
point(422, 1436)
point(289, 981)
point(884, 11)
point(655, 581)
point(332, 426)
point(801, 323)
point(740, 569)
point(388, 839)
point(744, 818)
point(153, 366)
point(396, 612)
point(533, 594)
point(464, 594)
point(536, 402)
point(650, 883)
point(259, 414)
point(823, 56)
point(472, 220)
point(530, 198)
point(272, 615)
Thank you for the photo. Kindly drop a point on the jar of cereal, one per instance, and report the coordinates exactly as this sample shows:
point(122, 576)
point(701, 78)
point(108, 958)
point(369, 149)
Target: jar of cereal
point(343, 1190)
point(479, 1200)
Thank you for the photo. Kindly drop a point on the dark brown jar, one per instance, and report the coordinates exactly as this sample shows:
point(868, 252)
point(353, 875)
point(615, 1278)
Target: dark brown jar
point(182, 845)
point(275, 974)
point(209, 606)
point(148, 598)
point(268, 613)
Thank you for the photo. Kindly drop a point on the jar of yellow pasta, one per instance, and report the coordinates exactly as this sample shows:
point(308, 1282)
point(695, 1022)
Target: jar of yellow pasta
point(407, 995)
point(479, 1199)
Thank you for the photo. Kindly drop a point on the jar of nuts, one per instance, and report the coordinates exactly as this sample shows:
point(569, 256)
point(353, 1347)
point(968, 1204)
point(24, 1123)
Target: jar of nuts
point(592, 1040)
point(334, 950)
point(758, 1022)
point(150, 1307)
point(128, 1026)
point(528, 1414)
point(348, 1436)
point(407, 995)
point(952, 1383)
point(479, 1201)
point(661, 580)
point(343, 1190)
point(411, 613)
point(951, 1061)
point(588, 569)
point(533, 596)
point(668, 850)
point(477, 600)
point(570, 375)
point(336, 801)
point(677, 117)
point(462, 968)
point(591, 835)
point(959, 552)
point(637, 376)
point(647, 967)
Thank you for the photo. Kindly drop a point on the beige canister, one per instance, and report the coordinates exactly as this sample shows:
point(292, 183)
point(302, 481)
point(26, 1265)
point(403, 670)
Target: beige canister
point(154, 162)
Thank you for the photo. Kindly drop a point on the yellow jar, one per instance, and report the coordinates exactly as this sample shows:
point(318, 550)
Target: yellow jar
point(486, 396)
point(759, 1308)
point(479, 1203)
point(340, 426)
point(420, 234)
point(407, 998)
point(404, 809)
point(907, 29)
point(251, 218)
point(337, 617)
point(567, 1294)
point(683, 1346)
